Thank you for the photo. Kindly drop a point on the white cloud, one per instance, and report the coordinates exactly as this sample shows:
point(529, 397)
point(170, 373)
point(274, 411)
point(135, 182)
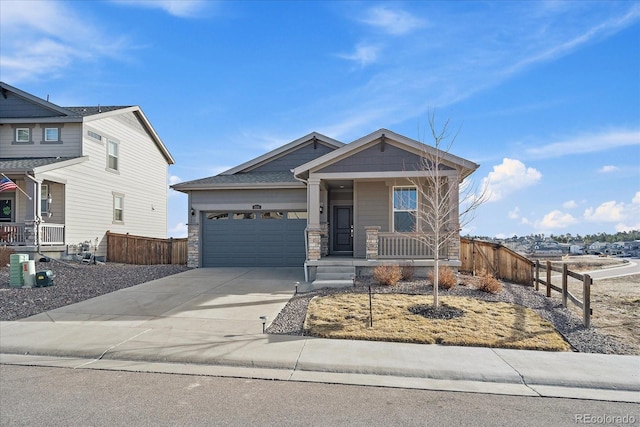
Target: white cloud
point(364, 54)
point(515, 213)
point(611, 211)
point(173, 179)
point(508, 177)
point(180, 8)
point(570, 204)
point(556, 219)
point(625, 215)
point(587, 144)
point(42, 39)
point(178, 230)
point(394, 22)
point(608, 169)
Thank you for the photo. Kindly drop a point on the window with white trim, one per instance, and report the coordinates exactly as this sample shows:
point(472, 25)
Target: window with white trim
point(118, 208)
point(51, 134)
point(405, 208)
point(23, 135)
point(44, 198)
point(112, 155)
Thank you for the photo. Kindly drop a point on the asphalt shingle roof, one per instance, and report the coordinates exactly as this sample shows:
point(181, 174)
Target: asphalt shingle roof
point(245, 178)
point(89, 111)
point(28, 163)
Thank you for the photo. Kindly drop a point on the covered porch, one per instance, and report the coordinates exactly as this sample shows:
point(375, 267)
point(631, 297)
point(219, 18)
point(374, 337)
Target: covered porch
point(32, 215)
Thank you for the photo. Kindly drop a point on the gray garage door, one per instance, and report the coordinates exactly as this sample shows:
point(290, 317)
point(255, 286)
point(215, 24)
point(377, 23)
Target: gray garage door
point(253, 239)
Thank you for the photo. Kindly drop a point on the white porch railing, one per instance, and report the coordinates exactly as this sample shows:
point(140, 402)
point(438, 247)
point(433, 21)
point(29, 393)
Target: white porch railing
point(12, 233)
point(405, 245)
point(52, 234)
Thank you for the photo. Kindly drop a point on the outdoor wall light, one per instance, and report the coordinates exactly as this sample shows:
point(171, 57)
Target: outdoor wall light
point(264, 322)
point(49, 198)
point(193, 212)
point(321, 207)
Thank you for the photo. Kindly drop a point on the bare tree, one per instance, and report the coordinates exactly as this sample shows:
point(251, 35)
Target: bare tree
point(446, 200)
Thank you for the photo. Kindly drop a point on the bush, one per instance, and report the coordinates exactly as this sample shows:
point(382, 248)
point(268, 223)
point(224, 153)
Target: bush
point(5, 256)
point(387, 274)
point(488, 283)
point(446, 278)
point(408, 271)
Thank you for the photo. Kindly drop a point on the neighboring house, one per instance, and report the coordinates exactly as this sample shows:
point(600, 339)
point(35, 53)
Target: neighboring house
point(317, 202)
point(80, 171)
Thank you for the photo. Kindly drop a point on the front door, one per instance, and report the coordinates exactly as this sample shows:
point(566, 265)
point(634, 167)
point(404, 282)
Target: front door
point(6, 210)
point(343, 229)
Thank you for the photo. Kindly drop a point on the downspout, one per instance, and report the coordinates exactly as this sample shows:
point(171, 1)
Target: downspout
point(306, 232)
point(36, 210)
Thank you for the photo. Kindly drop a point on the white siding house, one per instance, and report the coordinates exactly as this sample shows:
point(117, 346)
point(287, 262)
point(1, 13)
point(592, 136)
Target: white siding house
point(106, 171)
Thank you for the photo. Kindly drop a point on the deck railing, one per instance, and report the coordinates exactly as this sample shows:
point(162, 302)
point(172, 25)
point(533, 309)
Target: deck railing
point(12, 233)
point(405, 245)
point(52, 234)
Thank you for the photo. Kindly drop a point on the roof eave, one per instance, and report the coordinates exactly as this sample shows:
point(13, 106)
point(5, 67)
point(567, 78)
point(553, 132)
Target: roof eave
point(185, 188)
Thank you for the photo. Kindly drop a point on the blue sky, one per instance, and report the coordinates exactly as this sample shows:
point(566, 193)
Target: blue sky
point(545, 94)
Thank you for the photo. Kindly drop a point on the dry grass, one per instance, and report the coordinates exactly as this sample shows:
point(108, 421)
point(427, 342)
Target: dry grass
point(484, 324)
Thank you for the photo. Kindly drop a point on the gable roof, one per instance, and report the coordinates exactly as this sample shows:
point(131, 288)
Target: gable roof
point(281, 151)
point(251, 174)
point(411, 145)
point(52, 113)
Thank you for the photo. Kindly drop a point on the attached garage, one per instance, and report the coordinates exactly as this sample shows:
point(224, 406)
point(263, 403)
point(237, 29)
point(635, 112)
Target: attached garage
point(253, 239)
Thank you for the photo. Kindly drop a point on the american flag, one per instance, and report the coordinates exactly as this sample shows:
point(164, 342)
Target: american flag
point(7, 185)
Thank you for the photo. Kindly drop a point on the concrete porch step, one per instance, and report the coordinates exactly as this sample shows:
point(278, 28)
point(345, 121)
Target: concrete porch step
point(329, 276)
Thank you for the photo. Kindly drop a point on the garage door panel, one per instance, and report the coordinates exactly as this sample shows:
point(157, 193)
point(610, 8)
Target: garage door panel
point(253, 242)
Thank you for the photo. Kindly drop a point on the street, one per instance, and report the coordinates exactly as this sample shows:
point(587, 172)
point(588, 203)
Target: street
point(81, 397)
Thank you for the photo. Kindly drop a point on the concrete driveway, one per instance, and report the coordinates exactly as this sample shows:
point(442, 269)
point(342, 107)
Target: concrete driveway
point(195, 316)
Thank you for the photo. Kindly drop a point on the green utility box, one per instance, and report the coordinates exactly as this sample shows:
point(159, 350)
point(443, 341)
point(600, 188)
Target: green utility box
point(15, 275)
point(44, 278)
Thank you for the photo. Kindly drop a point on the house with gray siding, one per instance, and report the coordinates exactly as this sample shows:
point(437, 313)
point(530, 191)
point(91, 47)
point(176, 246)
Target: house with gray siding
point(320, 204)
point(80, 172)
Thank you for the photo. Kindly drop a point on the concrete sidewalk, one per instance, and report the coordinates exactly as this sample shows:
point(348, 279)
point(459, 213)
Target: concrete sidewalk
point(207, 322)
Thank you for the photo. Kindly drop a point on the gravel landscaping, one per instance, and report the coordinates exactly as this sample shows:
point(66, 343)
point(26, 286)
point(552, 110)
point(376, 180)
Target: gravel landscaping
point(291, 319)
point(74, 282)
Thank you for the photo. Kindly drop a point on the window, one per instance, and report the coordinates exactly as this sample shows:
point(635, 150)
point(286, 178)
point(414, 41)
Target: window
point(23, 135)
point(297, 215)
point(118, 208)
point(51, 134)
point(94, 135)
point(112, 155)
point(244, 215)
point(44, 198)
point(272, 215)
point(218, 216)
point(405, 204)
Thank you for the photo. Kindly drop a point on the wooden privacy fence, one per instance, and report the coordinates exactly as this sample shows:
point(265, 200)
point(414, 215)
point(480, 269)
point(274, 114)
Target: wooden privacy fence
point(587, 281)
point(478, 256)
point(140, 250)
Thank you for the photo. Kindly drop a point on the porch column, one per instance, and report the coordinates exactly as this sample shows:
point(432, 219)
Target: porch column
point(314, 231)
point(372, 241)
point(313, 202)
point(314, 244)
